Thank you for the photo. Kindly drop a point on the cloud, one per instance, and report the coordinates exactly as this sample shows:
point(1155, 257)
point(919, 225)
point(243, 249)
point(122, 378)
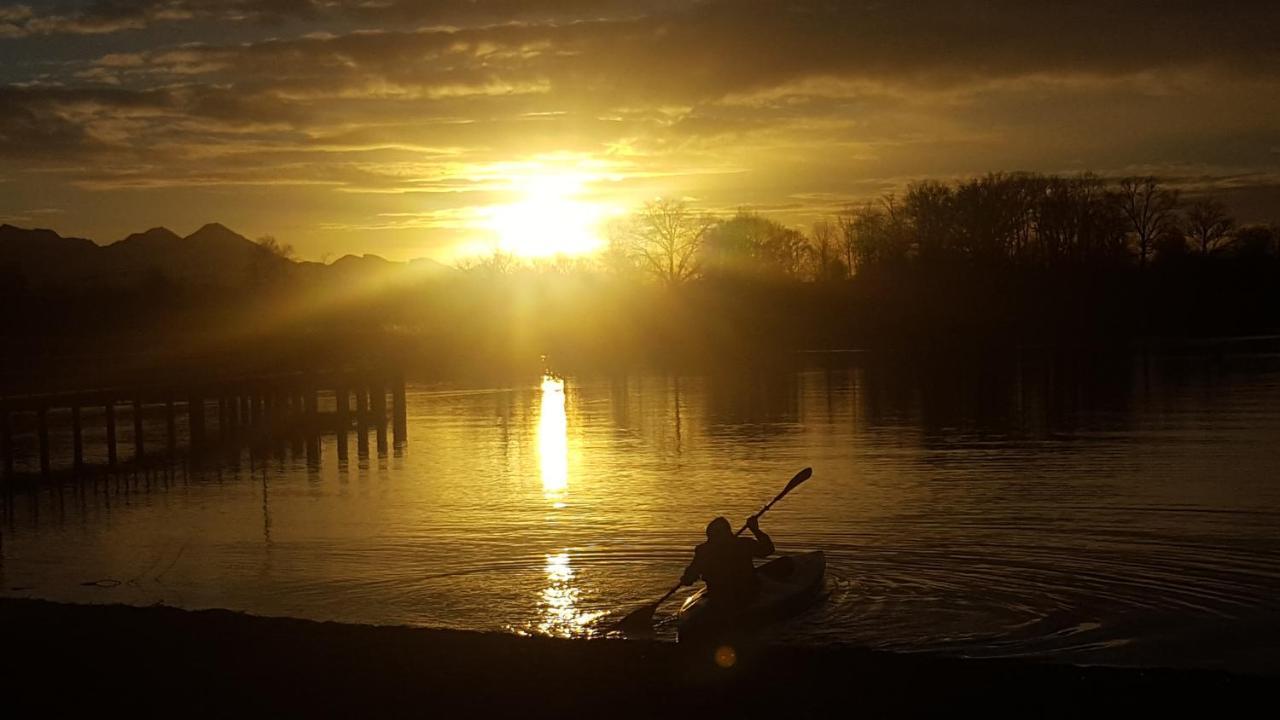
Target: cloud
point(796, 107)
point(111, 16)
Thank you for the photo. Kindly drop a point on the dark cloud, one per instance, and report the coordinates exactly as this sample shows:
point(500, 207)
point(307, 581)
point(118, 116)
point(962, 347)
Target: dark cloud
point(107, 16)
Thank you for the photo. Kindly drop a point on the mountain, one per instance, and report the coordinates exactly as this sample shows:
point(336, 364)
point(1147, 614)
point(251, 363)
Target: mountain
point(210, 256)
point(43, 257)
point(213, 256)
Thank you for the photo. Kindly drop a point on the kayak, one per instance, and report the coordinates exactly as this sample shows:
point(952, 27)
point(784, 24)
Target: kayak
point(787, 585)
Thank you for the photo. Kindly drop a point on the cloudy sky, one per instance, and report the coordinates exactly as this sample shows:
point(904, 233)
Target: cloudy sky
point(405, 128)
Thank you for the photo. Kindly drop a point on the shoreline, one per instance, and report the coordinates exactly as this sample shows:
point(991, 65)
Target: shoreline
point(163, 660)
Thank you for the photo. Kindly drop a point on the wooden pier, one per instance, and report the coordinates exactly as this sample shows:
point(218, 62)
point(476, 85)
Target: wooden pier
point(202, 416)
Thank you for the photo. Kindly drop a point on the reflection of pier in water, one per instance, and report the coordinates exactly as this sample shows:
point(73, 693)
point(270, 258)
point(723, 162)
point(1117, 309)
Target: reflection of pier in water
point(81, 432)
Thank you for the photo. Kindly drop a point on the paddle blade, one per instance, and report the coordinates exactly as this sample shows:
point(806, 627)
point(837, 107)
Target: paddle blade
point(800, 477)
point(638, 621)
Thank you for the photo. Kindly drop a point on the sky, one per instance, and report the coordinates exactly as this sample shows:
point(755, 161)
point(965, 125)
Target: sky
point(443, 129)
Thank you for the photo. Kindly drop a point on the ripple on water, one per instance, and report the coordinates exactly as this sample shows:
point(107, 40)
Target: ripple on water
point(1094, 520)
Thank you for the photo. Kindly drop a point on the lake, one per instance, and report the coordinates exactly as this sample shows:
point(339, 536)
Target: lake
point(1121, 508)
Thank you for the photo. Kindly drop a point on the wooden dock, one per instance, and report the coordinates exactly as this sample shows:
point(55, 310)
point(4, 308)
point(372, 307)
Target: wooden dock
point(202, 416)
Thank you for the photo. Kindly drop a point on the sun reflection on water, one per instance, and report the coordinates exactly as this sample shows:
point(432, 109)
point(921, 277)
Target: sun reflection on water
point(561, 615)
point(553, 442)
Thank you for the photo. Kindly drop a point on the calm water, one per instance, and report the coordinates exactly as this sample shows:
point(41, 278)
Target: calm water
point(1122, 510)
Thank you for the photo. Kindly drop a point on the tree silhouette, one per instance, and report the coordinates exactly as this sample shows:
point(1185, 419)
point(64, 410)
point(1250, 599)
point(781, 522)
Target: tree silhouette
point(1208, 224)
point(494, 264)
point(825, 256)
point(1149, 208)
point(275, 247)
point(665, 239)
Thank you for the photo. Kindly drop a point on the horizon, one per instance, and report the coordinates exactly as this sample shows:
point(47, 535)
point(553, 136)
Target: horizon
point(435, 348)
point(585, 245)
point(444, 132)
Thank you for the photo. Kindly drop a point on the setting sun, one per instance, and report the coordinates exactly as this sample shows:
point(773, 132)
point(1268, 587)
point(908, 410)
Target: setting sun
point(550, 218)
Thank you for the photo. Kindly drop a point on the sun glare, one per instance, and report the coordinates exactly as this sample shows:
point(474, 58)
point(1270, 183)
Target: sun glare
point(550, 219)
point(553, 442)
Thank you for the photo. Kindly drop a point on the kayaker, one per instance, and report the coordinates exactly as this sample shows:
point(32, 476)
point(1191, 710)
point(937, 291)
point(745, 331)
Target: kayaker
point(724, 562)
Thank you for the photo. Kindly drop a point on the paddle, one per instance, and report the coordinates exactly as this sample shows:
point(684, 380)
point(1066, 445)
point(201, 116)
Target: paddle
point(641, 618)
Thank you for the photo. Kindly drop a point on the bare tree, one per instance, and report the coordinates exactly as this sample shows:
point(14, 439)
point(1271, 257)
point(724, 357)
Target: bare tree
point(275, 247)
point(494, 264)
point(876, 235)
point(825, 251)
point(665, 237)
point(1149, 209)
point(847, 222)
point(1208, 224)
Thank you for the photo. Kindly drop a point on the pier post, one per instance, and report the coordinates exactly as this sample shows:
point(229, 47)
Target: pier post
point(362, 404)
point(341, 441)
point(170, 426)
point(313, 451)
point(342, 399)
point(195, 420)
point(378, 401)
point(6, 443)
point(378, 408)
point(400, 410)
point(42, 431)
point(110, 409)
point(77, 438)
point(362, 420)
point(138, 445)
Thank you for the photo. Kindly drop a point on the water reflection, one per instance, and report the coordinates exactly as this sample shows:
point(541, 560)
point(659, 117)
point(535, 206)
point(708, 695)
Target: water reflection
point(561, 615)
point(1034, 506)
point(553, 442)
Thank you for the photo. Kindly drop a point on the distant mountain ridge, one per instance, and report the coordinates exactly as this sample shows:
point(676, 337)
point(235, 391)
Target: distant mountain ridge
point(213, 256)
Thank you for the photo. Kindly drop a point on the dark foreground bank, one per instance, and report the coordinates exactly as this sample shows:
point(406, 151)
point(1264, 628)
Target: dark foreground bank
point(149, 661)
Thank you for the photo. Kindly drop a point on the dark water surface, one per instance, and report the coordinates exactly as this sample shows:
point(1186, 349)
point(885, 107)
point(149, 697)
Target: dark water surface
point(1121, 509)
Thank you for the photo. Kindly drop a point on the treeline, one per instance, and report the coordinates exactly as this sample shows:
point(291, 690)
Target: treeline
point(999, 222)
point(1002, 259)
point(1005, 258)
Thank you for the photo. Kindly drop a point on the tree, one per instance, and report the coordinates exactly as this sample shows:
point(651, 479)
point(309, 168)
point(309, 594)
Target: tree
point(1078, 221)
point(275, 247)
point(1149, 208)
point(992, 217)
point(825, 253)
point(753, 246)
point(665, 237)
point(876, 235)
point(494, 264)
point(784, 252)
point(1208, 225)
point(930, 208)
point(1171, 243)
point(1255, 242)
point(847, 222)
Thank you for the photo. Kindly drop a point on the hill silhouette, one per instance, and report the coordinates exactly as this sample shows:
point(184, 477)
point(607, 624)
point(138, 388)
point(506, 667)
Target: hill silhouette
point(213, 256)
point(997, 261)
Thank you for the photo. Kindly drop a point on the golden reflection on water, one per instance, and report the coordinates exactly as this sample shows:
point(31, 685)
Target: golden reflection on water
point(561, 615)
point(553, 442)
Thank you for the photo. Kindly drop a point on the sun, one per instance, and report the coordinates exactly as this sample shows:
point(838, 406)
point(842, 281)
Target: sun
point(551, 218)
